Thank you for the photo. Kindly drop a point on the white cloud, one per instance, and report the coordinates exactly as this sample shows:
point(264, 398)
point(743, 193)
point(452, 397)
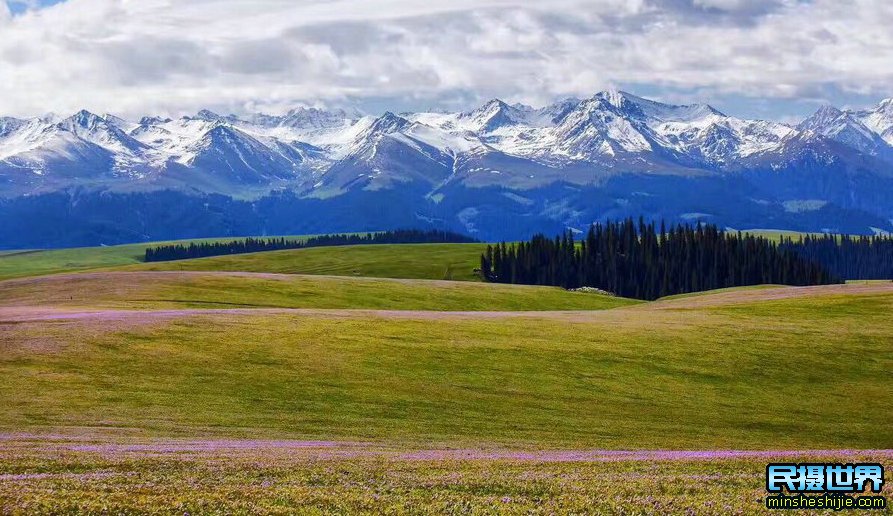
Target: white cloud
point(726, 5)
point(167, 56)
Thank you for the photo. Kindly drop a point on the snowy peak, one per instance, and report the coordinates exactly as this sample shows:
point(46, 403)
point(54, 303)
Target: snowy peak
point(153, 120)
point(387, 123)
point(825, 120)
point(850, 128)
point(209, 116)
point(613, 97)
point(80, 140)
point(641, 107)
point(809, 150)
point(492, 116)
point(556, 112)
point(118, 122)
point(230, 157)
point(223, 133)
point(365, 143)
point(83, 119)
point(879, 119)
point(825, 113)
point(9, 125)
point(617, 102)
point(884, 108)
point(98, 131)
point(221, 138)
point(602, 126)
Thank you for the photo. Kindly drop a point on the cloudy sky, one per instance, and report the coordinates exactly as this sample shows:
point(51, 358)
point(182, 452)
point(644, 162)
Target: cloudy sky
point(762, 58)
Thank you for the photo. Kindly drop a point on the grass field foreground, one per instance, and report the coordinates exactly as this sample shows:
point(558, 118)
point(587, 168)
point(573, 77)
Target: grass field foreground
point(80, 477)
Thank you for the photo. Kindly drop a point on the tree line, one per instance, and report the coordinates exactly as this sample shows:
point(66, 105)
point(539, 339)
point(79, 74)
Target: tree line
point(638, 260)
point(172, 252)
point(850, 257)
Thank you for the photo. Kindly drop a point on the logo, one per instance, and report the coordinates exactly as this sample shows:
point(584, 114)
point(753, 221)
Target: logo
point(824, 486)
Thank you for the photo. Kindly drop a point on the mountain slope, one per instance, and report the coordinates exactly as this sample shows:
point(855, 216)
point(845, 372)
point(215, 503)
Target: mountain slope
point(386, 155)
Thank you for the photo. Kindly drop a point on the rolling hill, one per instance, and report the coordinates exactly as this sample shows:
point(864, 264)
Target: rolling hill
point(411, 261)
point(36, 262)
point(158, 356)
point(223, 290)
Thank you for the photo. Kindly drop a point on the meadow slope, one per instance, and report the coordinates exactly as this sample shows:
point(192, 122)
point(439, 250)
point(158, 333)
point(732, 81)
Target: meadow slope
point(38, 262)
point(454, 262)
point(679, 374)
point(173, 289)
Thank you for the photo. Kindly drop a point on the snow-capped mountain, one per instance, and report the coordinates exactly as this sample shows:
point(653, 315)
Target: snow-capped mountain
point(849, 128)
point(629, 155)
point(8, 125)
point(879, 119)
point(609, 133)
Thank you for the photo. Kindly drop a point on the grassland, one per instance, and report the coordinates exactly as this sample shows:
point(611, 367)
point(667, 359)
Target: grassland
point(182, 388)
point(419, 261)
point(424, 261)
point(214, 478)
point(18, 264)
point(663, 375)
point(175, 290)
point(24, 263)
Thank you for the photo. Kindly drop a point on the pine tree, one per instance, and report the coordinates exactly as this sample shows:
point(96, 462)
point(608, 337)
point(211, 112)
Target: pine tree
point(633, 259)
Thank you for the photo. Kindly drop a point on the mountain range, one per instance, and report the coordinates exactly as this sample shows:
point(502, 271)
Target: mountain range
point(496, 172)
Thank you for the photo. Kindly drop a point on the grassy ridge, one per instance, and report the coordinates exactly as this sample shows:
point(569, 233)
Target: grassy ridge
point(164, 290)
point(411, 261)
point(19, 264)
point(774, 375)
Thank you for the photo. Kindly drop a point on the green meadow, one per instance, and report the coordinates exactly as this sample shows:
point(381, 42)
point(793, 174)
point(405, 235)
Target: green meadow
point(421, 261)
point(174, 290)
point(411, 261)
point(355, 380)
point(17, 264)
point(800, 373)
